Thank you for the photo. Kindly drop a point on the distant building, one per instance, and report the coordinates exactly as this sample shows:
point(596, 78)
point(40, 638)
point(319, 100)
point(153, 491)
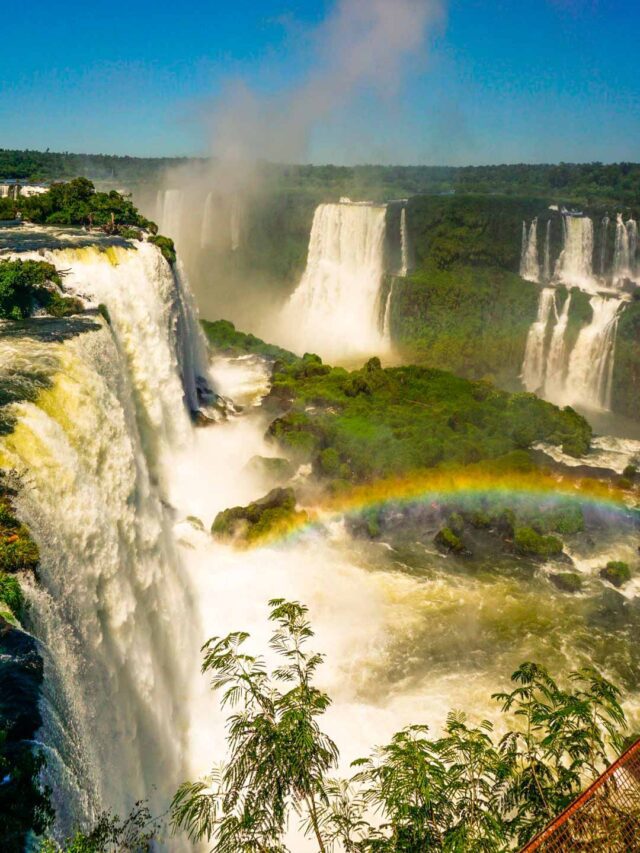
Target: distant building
point(12, 188)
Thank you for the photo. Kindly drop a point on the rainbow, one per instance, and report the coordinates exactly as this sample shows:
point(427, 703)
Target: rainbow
point(439, 487)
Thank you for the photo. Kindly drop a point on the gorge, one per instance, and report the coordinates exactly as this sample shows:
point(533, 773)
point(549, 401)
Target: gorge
point(136, 432)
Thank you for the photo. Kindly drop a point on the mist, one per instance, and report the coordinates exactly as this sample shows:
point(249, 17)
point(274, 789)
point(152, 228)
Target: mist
point(363, 50)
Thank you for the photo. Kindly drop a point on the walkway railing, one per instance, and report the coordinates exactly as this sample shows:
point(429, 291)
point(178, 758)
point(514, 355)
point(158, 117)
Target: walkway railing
point(603, 819)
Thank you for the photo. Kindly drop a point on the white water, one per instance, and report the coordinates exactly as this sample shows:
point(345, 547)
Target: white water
point(546, 268)
point(529, 264)
point(94, 456)
point(590, 370)
point(626, 245)
point(386, 322)
point(235, 224)
point(556, 360)
point(404, 243)
point(206, 227)
point(583, 376)
point(534, 365)
point(335, 310)
point(171, 212)
point(111, 589)
point(603, 245)
point(575, 264)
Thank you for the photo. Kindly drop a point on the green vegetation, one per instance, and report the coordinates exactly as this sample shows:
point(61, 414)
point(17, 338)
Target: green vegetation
point(532, 544)
point(137, 833)
point(26, 286)
point(463, 791)
point(382, 422)
point(626, 375)
point(582, 183)
point(78, 203)
point(471, 321)
point(272, 515)
point(11, 597)
point(448, 540)
point(166, 246)
point(223, 335)
point(617, 572)
point(18, 551)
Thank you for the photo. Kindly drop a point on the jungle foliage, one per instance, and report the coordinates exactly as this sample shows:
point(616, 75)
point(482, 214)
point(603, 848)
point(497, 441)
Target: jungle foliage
point(378, 422)
point(465, 790)
point(77, 203)
point(26, 286)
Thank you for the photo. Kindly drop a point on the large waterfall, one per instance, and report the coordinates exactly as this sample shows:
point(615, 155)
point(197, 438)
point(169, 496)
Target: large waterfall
point(335, 311)
point(582, 376)
point(112, 606)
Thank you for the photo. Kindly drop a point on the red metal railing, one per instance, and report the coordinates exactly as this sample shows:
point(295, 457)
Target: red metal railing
point(603, 819)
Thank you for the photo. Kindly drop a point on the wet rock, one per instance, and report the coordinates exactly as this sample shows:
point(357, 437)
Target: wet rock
point(567, 581)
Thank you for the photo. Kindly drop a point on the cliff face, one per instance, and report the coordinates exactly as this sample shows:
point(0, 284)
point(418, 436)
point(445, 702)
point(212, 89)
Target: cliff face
point(24, 805)
point(626, 373)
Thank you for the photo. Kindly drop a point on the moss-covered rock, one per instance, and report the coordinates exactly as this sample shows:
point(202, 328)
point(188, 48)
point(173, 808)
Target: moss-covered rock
point(530, 543)
point(271, 468)
point(567, 581)
point(446, 540)
point(273, 515)
point(616, 572)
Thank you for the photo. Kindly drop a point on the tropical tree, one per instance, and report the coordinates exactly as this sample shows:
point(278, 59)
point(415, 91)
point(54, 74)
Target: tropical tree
point(278, 755)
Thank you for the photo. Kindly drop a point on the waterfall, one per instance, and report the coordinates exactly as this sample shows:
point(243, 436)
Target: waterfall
point(533, 368)
point(556, 360)
point(171, 218)
point(386, 322)
point(546, 268)
point(155, 321)
point(529, 264)
point(575, 264)
point(112, 607)
point(335, 309)
point(590, 370)
point(404, 243)
point(632, 232)
point(621, 252)
point(603, 245)
point(206, 227)
point(235, 224)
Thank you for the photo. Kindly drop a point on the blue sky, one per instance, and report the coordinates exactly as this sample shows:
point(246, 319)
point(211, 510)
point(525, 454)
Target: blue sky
point(496, 81)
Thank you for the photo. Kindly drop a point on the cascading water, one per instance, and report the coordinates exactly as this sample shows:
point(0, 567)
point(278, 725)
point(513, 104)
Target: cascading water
point(575, 264)
point(206, 228)
point(632, 231)
point(534, 365)
point(529, 264)
point(603, 245)
point(235, 224)
point(591, 364)
point(171, 213)
point(92, 457)
point(335, 309)
point(621, 252)
point(546, 266)
point(386, 321)
point(404, 243)
point(556, 360)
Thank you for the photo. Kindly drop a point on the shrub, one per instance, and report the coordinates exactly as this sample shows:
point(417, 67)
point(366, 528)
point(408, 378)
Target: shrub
point(616, 572)
point(529, 542)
